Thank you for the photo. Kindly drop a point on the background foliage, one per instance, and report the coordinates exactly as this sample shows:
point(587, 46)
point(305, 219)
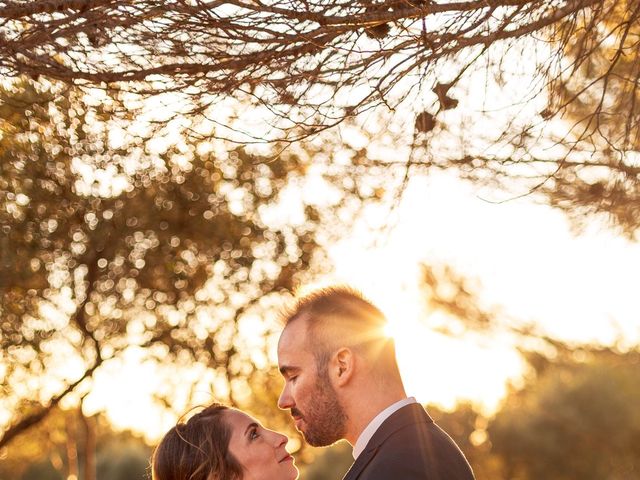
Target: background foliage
point(129, 224)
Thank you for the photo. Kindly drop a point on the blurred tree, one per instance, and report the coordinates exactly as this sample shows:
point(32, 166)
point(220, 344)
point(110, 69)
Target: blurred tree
point(459, 298)
point(575, 414)
point(123, 459)
point(311, 63)
point(315, 65)
point(44, 449)
point(107, 244)
point(467, 426)
point(580, 151)
point(446, 290)
point(328, 462)
point(599, 95)
point(602, 75)
point(41, 471)
point(43, 454)
point(576, 417)
point(566, 130)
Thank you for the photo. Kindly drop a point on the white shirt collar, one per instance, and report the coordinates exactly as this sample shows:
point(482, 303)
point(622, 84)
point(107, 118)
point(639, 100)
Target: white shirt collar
point(373, 426)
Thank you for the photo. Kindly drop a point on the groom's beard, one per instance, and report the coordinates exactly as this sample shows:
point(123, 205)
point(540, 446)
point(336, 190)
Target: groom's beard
point(324, 419)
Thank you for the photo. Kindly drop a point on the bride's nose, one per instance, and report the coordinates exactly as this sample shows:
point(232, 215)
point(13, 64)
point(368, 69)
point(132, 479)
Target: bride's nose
point(279, 440)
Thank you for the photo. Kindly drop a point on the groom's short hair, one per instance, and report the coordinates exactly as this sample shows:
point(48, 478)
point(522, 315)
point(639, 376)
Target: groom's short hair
point(341, 316)
point(340, 300)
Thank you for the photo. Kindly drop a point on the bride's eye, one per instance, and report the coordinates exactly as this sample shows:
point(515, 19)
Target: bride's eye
point(253, 434)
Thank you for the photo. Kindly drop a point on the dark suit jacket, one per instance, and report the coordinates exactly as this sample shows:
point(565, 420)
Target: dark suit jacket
point(410, 446)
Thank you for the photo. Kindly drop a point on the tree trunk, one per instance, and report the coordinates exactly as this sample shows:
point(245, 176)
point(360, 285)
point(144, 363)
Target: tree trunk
point(72, 449)
point(89, 460)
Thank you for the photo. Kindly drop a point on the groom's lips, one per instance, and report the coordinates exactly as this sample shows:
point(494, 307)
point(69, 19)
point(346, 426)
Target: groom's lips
point(295, 414)
point(296, 420)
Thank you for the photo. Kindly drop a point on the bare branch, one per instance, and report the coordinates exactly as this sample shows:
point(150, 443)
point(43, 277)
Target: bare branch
point(33, 419)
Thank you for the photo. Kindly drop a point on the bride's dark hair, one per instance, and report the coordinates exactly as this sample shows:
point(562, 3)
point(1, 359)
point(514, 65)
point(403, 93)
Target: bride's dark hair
point(197, 449)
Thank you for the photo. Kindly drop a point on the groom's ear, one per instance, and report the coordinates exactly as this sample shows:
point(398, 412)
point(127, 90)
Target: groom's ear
point(342, 366)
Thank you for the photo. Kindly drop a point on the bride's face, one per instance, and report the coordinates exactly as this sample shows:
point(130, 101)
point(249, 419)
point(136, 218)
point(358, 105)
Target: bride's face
point(260, 452)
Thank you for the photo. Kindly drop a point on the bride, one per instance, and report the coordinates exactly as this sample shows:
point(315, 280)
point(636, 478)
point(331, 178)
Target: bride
point(222, 443)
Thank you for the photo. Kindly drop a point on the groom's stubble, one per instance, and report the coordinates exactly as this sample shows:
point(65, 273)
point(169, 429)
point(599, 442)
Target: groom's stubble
point(325, 417)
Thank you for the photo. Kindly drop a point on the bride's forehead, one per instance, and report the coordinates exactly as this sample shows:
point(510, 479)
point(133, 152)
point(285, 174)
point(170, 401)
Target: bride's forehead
point(237, 418)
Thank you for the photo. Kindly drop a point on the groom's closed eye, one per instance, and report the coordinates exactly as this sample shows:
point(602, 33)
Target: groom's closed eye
point(289, 372)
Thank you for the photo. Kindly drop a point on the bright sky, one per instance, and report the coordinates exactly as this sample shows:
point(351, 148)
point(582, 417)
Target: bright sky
point(581, 288)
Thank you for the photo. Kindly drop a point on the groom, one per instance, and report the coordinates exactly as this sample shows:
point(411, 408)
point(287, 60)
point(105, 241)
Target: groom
point(342, 382)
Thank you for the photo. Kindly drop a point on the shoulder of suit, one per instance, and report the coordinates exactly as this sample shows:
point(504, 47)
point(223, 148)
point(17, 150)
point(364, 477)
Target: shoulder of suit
point(421, 450)
point(413, 415)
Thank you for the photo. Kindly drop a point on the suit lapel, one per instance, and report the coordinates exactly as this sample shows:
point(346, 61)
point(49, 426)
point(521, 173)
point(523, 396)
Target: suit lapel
point(408, 415)
point(362, 461)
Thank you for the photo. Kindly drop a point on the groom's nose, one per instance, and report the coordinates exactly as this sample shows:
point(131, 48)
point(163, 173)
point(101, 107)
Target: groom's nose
point(286, 400)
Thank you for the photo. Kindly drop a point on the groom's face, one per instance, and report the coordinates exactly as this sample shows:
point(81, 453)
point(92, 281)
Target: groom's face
point(307, 391)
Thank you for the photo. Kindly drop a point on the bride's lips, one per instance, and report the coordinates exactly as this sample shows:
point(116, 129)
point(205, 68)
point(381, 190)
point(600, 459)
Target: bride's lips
point(286, 458)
